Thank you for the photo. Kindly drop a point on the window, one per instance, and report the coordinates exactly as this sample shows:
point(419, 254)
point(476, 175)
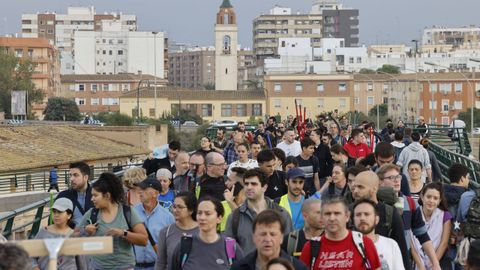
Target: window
point(320, 87)
point(458, 87)
point(81, 87)
point(110, 101)
point(445, 120)
point(120, 52)
point(151, 112)
point(19, 53)
point(385, 100)
point(95, 101)
point(226, 110)
point(104, 51)
point(370, 86)
point(356, 100)
point(277, 87)
point(351, 60)
point(30, 52)
point(320, 103)
point(433, 87)
point(370, 100)
point(445, 104)
point(277, 103)
point(343, 103)
point(256, 109)
point(105, 87)
point(432, 105)
point(110, 52)
point(126, 87)
point(446, 88)
point(206, 110)
point(356, 87)
point(94, 88)
point(299, 101)
point(457, 105)
point(226, 44)
point(359, 60)
point(80, 101)
point(385, 87)
point(342, 86)
point(299, 87)
point(241, 110)
point(50, 31)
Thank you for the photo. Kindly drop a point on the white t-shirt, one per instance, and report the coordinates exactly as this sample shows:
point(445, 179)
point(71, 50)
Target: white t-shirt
point(293, 149)
point(389, 253)
point(250, 164)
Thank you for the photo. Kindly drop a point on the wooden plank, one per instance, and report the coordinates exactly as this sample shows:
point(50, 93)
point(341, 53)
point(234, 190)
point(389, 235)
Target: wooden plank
point(71, 246)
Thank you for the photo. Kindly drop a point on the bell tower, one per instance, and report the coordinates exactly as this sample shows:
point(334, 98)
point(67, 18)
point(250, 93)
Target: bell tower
point(226, 31)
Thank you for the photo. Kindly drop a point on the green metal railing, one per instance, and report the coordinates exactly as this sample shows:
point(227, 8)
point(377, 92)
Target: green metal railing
point(7, 220)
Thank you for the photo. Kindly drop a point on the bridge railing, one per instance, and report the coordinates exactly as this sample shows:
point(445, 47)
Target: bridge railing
point(32, 224)
point(446, 158)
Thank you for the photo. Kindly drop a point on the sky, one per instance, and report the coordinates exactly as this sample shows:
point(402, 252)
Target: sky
point(192, 21)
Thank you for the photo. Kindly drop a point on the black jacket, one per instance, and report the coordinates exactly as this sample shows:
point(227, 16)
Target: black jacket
point(248, 262)
point(152, 165)
point(72, 195)
point(325, 161)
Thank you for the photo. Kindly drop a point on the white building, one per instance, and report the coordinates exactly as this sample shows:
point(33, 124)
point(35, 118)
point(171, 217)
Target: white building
point(114, 52)
point(296, 55)
point(60, 29)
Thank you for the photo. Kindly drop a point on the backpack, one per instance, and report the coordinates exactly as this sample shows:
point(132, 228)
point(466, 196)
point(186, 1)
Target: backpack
point(186, 246)
point(357, 237)
point(292, 242)
point(472, 221)
point(127, 214)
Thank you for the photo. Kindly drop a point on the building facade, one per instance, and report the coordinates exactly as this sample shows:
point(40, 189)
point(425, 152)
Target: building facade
point(210, 105)
point(101, 93)
point(195, 68)
point(457, 37)
point(117, 51)
point(46, 75)
point(59, 29)
point(317, 93)
point(282, 23)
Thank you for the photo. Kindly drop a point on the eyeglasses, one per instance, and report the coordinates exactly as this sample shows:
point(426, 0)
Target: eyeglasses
point(179, 207)
point(397, 177)
point(219, 164)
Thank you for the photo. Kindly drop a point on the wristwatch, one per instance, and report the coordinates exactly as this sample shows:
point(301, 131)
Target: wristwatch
point(125, 233)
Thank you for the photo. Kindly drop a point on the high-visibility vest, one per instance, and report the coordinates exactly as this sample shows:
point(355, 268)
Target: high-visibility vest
point(285, 204)
point(227, 213)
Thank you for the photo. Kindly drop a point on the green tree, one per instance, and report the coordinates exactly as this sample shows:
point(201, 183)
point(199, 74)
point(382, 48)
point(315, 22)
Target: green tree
point(382, 108)
point(61, 109)
point(366, 71)
point(16, 74)
point(389, 69)
point(254, 84)
point(466, 116)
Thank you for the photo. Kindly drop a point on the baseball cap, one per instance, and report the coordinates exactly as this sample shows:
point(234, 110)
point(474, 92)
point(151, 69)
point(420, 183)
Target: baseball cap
point(150, 183)
point(62, 205)
point(295, 173)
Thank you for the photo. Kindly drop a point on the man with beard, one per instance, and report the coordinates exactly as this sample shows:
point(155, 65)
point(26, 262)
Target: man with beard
point(365, 218)
point(293, 200)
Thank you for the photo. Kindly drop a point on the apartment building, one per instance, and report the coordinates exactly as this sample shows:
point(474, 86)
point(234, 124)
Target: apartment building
point(195, 68)
point(101, 93)
point(116, 51)
point(210, 105)
point(59, 29)
point(457, 37)
point(282, 23)
point(317, 93)
point(46, 75)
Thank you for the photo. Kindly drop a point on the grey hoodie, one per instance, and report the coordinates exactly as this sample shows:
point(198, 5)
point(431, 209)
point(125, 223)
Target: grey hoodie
point(413, 151)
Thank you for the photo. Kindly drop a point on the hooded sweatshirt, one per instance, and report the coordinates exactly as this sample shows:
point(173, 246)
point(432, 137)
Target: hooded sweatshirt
point(413, 151)
point(398, 146)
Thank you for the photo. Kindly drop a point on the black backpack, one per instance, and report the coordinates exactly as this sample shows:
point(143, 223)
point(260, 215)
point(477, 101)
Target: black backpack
point(472, 221)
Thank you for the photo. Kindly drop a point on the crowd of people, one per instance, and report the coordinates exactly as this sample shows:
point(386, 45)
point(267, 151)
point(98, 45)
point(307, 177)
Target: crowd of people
point(331, 196)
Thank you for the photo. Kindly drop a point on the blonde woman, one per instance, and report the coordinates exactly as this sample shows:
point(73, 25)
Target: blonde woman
point(131, 177)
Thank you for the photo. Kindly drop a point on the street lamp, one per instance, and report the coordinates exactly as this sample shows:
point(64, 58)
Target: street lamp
point(138, 95)
point(469, 85)
point(155, 72)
